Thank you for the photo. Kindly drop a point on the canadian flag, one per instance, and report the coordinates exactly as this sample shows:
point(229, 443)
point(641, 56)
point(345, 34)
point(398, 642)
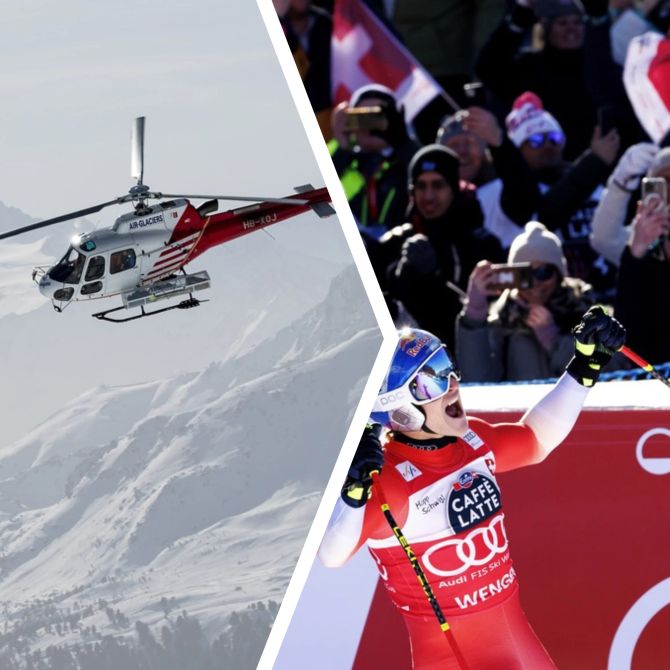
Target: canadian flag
point(364, 52)
point(647, 80)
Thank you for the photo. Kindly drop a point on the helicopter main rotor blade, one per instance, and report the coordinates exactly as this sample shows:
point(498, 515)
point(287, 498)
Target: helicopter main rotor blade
point(64, 217)
point(137, 150)
point(241, 198)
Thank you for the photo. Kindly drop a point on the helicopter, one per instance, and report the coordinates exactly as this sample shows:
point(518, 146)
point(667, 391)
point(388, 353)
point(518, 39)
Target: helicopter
point(142, 256)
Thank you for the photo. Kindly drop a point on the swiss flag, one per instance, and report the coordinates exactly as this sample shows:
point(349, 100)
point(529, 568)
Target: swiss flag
point(365, 52)
point(647, 81)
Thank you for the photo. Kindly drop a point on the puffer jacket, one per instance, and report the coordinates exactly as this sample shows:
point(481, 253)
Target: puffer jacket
point(504, 348)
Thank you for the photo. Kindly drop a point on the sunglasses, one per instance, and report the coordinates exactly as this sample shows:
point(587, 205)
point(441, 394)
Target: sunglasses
point(543, 272)
point(430, 382)
point(536, 140)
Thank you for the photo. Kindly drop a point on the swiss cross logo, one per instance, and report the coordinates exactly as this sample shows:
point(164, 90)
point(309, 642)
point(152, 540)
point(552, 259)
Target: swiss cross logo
point(408, 471)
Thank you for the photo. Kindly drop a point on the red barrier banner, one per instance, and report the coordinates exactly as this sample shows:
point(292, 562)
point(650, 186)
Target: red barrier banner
point(589, 532)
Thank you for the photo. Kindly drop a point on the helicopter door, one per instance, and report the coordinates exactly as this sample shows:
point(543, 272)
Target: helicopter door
point(94, 277)
point(124, 270)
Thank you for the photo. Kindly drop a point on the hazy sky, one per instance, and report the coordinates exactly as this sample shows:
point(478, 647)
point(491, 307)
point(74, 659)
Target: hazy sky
point(220, 118)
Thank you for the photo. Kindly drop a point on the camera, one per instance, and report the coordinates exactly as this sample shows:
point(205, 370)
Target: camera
point(514, 275)
point(365, 118)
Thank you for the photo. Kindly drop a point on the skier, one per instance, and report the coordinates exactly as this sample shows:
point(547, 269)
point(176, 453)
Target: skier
point(438, 477)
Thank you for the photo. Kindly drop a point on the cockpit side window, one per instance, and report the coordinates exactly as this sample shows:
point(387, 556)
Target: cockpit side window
point(122, 260)
point(95, 269)
point(69, 268)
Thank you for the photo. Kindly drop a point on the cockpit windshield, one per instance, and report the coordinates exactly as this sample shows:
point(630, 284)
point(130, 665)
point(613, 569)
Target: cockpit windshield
point(69, 268)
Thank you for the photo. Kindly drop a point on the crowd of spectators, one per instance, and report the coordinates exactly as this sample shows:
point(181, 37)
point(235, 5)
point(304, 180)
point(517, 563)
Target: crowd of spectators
point(545, 168)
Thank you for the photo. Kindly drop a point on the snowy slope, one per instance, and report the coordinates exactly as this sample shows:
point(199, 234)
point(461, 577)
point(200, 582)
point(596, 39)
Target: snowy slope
point(198, 487)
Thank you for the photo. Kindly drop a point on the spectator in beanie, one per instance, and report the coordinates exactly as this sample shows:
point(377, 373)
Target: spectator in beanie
point(526, 332)
point(643, 299)
point(441, 244)
point(610, 234)
point(508, 200)
point(556, 72)
point(372, 164)
point(567, 193)
point(476, 162)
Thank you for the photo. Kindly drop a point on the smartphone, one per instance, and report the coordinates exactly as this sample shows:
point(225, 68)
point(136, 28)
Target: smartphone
point(475, 94)
point(655, 189)
point(514, 275)
point(606, 118)
point(365, 118)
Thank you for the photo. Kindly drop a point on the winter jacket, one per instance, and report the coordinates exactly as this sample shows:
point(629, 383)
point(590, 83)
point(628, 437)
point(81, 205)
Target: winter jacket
point(570, 195)
point(642, 305)
point(504, 348)
point(510, 201)
point(609, 232)
point(445, 34)
point(454, 245)
point(375, 184)
point(313, 59)
point(556, 75)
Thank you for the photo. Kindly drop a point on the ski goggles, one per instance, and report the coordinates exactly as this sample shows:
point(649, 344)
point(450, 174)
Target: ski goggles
point(430, 382)
point(537, 140)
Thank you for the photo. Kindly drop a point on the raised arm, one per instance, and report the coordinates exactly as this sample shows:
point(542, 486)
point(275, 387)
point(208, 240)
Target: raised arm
point(597, 337)
point(609, 234)
point(345, 535)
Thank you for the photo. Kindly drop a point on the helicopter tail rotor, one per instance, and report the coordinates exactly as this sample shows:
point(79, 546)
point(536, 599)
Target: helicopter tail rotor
point(321, 209)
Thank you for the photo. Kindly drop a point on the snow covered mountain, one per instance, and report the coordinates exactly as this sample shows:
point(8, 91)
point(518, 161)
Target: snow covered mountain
point(260, 284)
point(135, 502)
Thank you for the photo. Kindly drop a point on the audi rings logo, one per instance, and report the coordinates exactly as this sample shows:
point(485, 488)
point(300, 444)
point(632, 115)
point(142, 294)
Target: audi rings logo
point(655, 466)
point(456, 555)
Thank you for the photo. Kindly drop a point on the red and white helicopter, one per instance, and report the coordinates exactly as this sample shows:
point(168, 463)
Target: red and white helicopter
point(142, 256)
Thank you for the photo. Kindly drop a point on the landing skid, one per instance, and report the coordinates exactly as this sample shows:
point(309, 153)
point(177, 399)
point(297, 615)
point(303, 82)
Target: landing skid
point(148, 295)
point(184, 304)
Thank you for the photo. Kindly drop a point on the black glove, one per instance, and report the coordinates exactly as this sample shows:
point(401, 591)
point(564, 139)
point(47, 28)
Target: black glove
point(597, 337)
point(396, 133)
point(420, 254)
point(369, 458)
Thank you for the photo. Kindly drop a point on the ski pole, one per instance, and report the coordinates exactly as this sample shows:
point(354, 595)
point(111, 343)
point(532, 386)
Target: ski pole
point(647, 367)
point(421, 575)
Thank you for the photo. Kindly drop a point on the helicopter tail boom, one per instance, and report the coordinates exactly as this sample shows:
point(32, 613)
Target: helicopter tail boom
point(226, 226)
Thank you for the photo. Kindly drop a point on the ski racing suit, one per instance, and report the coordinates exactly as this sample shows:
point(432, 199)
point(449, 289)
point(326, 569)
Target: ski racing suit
point(445, 497)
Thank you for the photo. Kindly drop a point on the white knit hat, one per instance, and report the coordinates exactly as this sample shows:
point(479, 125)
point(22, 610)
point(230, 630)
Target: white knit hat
point(527, 118)
point(538, 245)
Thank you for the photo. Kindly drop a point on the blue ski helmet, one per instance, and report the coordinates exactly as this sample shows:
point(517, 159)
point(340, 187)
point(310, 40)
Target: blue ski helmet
point(420, 371)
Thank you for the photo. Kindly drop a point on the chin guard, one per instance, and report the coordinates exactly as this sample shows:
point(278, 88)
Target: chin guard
point(407, 419)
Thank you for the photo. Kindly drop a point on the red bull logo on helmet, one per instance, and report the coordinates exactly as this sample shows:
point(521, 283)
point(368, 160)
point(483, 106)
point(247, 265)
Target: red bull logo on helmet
point(417, 345)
